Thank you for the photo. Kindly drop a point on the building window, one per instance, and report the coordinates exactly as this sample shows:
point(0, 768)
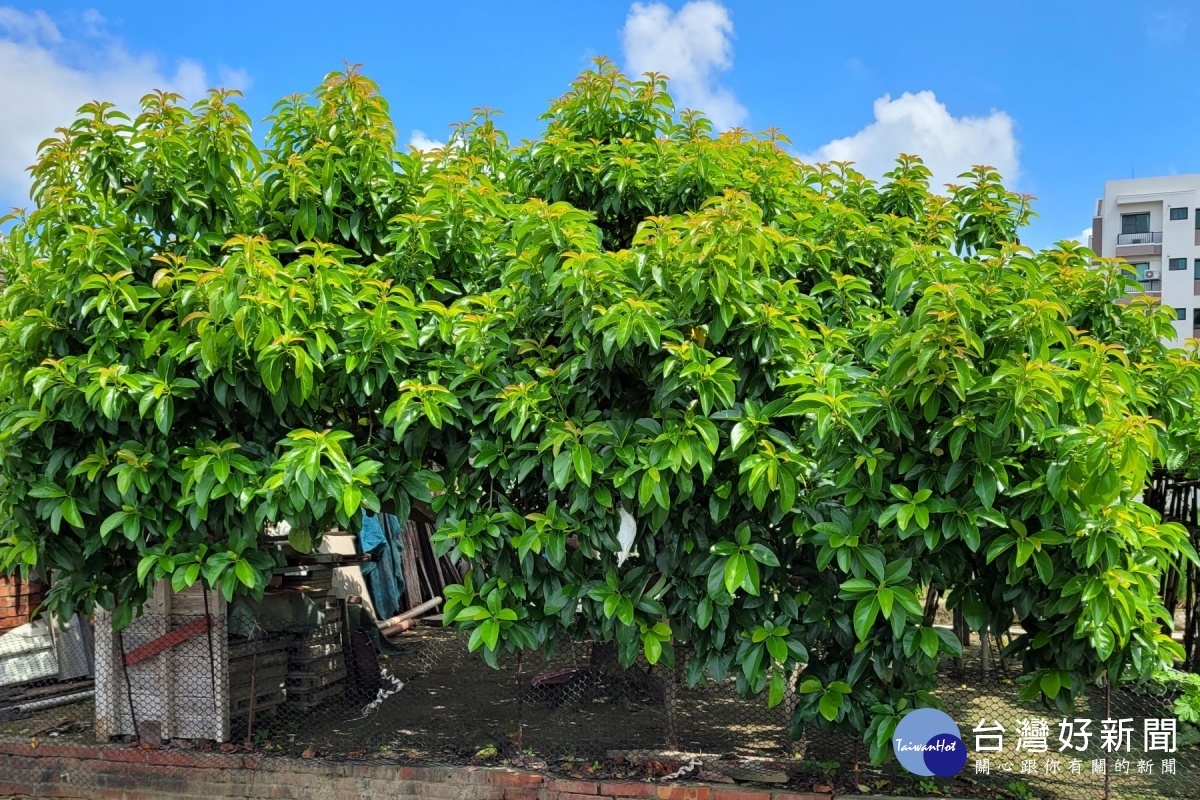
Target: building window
point(1196, 320)
point(1135, 223)
point(1196, 269)
point(1197, 219)
point(1148, 278)
point(1178, 213)
point(1180, 313)
point(1176, 264)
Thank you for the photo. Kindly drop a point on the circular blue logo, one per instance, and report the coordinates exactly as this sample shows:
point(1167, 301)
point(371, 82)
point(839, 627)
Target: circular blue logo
point(927, 742)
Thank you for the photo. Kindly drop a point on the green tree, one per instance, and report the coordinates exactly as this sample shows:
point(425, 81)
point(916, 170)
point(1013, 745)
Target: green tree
point(814, 396)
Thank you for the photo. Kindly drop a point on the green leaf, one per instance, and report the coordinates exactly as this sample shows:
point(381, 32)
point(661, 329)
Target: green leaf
point(70, 512)
point(735, 572)
point(246, 574)
point(562, 469)
point(111, 522)
point(581, 457)
point(830, 705)
point(1051, 683)
point(929, 642)
point(1001, 543)
point(775, 691)
point(763, 555)
point(147, 563)
point(985, 486)
point(301, 540)
point(652, 648)
point(491, 633)
point(885, 601)
point(865, 614)
point(1024, 551)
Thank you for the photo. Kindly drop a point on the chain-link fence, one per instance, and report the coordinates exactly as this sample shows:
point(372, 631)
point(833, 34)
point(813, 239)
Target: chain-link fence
point(322, 683)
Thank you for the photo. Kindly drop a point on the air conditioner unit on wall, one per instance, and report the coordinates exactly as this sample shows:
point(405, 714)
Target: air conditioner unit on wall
point(1150, 275)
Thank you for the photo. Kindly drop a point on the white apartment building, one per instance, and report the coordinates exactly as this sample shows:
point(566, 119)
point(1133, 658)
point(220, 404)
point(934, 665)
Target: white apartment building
point(1154, 224)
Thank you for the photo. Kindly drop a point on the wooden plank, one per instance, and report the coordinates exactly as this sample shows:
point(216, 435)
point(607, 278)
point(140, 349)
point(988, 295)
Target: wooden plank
point(307, 652)
point(309, 700)
point(160, 606)
point(245, 650)
point(220, 634)
point(408, 567)
point(326, 663)
point(106, 715)
point(188, 603)
point(175, 637)
point(307, 681)
point(241, 706)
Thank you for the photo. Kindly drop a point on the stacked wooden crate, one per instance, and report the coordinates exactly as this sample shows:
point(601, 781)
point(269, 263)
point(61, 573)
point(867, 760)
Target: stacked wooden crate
point(257, 676)
point(316, 670)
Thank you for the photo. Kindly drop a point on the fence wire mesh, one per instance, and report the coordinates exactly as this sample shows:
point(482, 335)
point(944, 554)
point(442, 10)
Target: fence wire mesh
point(321, 683)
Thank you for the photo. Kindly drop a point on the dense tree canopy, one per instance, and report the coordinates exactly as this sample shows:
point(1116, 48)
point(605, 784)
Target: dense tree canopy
point(816, 396)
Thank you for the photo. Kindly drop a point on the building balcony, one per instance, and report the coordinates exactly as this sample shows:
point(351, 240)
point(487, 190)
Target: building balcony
point(1135, 245)
point(1149, 237)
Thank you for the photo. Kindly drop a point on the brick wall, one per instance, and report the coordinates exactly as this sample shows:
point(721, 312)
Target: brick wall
point(128, 773)
point(18, 599)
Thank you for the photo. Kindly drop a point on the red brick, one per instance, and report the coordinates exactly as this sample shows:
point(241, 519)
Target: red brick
point(518, 779)
point(573, 796)
point(629, 789)
point(684, 793)
point(47, 750)
point(739, 794)
point(573, 787)
point(193, 758)
point(123, 754)
point(522, 793)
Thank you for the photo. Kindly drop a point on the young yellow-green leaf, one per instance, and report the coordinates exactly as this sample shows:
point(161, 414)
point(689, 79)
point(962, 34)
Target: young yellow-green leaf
point(652, 647)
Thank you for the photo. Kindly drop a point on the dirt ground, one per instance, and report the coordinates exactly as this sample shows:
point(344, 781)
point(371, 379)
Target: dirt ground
point(453, 704)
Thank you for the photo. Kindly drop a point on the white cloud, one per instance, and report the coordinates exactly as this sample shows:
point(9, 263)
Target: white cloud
point(920, 125)
point(1168, 26)
point(689, 46)
point(423, 143)
point(46, 74)
point(228, 78)
point(1084, 235)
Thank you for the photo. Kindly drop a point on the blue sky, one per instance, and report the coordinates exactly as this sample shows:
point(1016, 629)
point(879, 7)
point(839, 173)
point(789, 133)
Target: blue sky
point(1061, 96)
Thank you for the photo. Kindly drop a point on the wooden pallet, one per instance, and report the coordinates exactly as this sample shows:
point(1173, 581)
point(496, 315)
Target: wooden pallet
point(270, 676)
point(327, 663)
point(242, 649)
point(311, 681)
point(244, 666)
point(307, 700)
point(267, 699)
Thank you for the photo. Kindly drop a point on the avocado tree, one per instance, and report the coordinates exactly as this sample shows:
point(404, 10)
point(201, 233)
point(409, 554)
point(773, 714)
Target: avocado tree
point(660, 387)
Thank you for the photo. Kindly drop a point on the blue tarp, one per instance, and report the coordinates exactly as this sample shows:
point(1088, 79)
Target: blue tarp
point(380, 538)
